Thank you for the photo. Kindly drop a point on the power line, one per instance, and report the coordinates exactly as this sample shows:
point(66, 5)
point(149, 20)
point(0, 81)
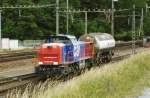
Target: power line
point(0, 29)
point(67, 25)
point(86, 11)
point(86, 22)
point(127, 16)
point(146, 8)
point(133, 31)
point(82, 11)
point(112, 18)
point(92, 10)
point(57, 17)
point(27, 6)
point(141, 23)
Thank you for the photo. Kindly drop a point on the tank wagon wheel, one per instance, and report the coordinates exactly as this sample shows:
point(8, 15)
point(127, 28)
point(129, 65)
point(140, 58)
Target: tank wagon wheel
point(109, 58)
point(99, 59)
point(105, 59)
point(102, 58)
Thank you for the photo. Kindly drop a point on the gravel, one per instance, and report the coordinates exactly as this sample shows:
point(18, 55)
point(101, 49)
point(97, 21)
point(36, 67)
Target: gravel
point(146, 94)
point(17, 64)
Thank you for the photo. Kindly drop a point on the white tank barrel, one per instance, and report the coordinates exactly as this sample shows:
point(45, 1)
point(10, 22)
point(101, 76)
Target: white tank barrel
point(100, 40)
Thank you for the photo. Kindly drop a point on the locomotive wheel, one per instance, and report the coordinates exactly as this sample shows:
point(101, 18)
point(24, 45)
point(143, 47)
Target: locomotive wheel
point(40, 73)
point(99, 60)
point(109, 57)
point(77, 69)
point(89, 64)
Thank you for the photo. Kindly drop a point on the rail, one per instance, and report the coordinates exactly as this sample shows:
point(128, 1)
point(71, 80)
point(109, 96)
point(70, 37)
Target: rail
point(17, 56)
point(13, 82)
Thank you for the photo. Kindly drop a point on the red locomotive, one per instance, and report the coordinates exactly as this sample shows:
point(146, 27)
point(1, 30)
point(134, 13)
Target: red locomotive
point(63, 54)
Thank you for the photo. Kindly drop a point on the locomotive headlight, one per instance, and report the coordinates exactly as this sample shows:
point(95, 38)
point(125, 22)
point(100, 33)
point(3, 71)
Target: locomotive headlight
point(55, 63)
point(40, 63)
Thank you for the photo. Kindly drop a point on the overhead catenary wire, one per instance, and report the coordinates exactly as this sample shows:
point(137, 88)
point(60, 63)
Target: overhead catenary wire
point(86, 11)
point(91, 10)
point(0, 29)
point(27, 6)
point(57, 17)
point(67, 14)
point(127, 16)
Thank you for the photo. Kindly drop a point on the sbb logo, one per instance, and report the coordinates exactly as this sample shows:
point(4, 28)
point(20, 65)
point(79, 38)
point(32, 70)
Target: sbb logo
point(76, 50)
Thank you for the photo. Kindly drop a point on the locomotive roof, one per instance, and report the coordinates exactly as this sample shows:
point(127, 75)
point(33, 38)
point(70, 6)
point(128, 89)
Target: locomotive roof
point(99, 36)
point(61, 35)
point(95, 34)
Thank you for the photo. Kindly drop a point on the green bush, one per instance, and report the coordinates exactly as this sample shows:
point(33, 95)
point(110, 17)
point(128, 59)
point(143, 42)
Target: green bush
point(126, 36)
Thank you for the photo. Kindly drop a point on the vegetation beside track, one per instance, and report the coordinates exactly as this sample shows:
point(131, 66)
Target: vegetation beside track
point(119, 80)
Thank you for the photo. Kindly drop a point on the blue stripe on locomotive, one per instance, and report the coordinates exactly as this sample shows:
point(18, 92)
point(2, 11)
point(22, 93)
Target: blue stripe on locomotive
point(82, 51)
point(67, 53)
point(76, 52)
point(63, 55)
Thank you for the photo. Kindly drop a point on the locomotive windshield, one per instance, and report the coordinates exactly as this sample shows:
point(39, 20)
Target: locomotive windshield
point(58, 39)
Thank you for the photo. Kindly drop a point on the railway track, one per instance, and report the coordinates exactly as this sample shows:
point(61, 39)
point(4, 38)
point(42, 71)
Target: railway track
point(17, 56)
point(20, 81)
point(13, 82)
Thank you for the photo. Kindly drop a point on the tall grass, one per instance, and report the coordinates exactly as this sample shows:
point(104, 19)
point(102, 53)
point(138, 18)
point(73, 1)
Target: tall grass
point(124, 79)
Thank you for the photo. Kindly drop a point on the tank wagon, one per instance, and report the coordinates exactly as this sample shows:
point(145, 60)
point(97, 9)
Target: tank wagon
point(64, 54)
point(103, 46)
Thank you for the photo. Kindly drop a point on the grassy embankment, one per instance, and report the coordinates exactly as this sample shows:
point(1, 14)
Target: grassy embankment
point(125, 79)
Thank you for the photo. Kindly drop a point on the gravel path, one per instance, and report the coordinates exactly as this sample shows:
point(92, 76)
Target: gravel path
point(5, 66)
point(146, 94)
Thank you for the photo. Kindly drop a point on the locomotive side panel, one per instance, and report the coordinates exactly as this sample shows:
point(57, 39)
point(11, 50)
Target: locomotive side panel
point(89, 50)
point(82, 51)
point(67, 54)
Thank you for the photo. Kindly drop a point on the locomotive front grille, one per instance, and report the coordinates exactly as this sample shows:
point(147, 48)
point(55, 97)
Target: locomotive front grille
point(49, 55)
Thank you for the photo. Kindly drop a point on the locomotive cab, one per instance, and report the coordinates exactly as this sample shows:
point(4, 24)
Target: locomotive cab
point(51, 51)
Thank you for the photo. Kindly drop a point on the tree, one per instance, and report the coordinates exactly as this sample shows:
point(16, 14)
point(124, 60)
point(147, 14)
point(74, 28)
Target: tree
point(35, 23)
